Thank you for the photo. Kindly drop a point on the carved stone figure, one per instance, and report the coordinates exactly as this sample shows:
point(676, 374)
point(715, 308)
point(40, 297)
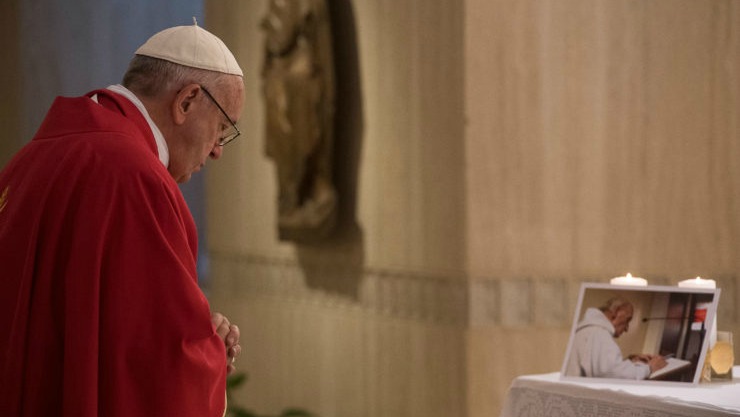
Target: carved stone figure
point(298, 82)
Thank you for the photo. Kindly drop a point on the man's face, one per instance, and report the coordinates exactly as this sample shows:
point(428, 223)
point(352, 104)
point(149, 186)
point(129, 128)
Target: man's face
point(197, 139)
point(621, 320)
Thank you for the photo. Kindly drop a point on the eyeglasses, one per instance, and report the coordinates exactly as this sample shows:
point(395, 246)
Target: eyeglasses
point(232, 133)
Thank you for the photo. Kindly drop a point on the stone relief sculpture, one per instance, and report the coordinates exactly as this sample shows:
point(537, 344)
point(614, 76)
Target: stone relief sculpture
point(298, 87)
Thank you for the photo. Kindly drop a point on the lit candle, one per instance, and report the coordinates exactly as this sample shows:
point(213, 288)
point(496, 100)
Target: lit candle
point(629, 280)
point(698, 282)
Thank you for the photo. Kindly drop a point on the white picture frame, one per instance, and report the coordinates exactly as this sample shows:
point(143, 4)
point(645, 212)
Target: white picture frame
point(666, 320)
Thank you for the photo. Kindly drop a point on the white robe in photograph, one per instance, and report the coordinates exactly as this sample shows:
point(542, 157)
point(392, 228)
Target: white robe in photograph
point(595, 353)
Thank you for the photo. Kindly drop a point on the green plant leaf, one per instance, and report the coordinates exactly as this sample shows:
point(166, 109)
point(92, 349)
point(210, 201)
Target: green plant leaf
point(234, 410)
point(234, 380)
point(241, 413)
point(295, 412)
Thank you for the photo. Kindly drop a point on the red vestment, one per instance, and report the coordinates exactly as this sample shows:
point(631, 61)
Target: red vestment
point(100, 309)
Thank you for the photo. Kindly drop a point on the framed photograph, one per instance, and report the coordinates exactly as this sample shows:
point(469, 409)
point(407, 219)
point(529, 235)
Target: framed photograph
point(649, 334)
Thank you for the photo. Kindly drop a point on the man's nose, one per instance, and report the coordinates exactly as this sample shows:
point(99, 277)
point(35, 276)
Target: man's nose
point(216, 152)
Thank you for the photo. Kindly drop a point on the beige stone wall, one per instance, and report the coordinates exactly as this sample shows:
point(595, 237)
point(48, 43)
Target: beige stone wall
point(603, 136)
point(602, 139)
point(373, 322)
point(499, 154)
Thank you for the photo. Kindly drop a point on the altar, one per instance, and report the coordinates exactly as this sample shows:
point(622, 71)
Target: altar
point(547, 395)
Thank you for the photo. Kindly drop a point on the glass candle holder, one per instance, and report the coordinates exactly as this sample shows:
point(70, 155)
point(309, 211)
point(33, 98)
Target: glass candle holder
point(721, 357)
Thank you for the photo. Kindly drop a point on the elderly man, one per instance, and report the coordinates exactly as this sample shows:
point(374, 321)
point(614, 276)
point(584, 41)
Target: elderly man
point(595, 353)
point(100, 309)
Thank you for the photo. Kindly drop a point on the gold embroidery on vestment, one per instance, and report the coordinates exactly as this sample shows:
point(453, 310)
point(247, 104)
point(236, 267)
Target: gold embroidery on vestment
point(4, 199)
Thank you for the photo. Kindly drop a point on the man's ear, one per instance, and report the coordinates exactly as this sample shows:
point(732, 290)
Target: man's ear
point(184, 103)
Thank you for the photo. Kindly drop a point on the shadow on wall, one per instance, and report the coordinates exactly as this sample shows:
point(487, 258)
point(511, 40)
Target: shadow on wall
point(335, 265)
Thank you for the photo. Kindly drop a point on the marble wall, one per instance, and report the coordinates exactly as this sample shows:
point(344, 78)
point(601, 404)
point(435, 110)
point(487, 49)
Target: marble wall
point(492, 156)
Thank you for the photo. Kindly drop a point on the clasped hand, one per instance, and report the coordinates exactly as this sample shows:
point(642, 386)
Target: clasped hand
point(229, 333)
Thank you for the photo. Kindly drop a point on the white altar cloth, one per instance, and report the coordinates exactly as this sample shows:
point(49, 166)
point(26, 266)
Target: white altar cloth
point(546, 396)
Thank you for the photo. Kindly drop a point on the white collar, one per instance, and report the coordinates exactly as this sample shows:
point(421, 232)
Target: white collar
point(162, 150)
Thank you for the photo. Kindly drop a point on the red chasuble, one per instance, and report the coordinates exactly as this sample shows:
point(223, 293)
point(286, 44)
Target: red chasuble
point(100, 310)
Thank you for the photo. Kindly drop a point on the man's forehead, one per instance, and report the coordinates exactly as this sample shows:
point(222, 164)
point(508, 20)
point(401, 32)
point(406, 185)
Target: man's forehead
point(626, 311)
